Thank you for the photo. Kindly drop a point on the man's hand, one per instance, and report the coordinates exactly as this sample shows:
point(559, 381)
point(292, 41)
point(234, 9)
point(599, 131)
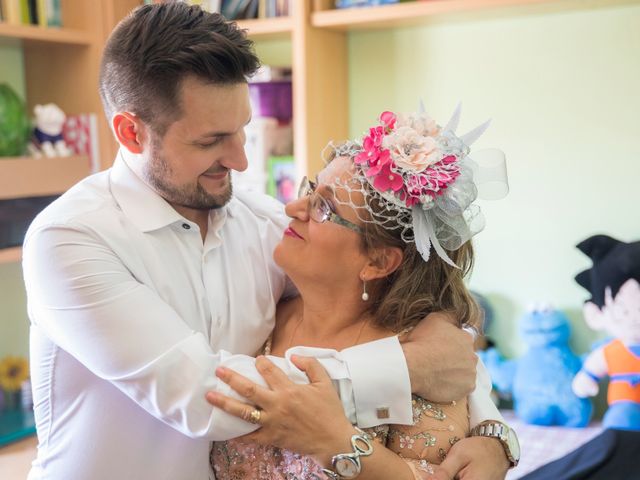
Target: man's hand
point(474, 458)
point(441, 360)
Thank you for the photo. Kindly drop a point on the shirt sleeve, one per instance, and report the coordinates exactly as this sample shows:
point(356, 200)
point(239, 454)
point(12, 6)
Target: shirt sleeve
point(481, 407)
point(380, 382)
point(86, 301)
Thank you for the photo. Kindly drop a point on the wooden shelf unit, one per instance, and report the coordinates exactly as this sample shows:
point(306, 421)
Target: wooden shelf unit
point(10, 255)
point(403, 14)
point(268, 29)
point(35, 177)
point(61, 66)
point(35, 34)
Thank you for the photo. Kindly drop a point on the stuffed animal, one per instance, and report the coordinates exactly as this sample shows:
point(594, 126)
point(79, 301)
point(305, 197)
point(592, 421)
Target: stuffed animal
point(614, 307)
point(540, 380)
point(49, 120)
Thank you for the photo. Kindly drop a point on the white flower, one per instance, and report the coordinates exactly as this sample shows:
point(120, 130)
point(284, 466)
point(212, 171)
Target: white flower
point(410, 150)
point(406, 441)
point(425, 125)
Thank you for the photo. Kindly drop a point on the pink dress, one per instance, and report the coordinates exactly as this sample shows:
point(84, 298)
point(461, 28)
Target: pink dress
point(436, 427)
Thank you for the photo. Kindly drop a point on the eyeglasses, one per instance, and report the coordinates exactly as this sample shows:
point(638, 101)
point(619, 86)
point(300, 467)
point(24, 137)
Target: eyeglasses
point(319, 208)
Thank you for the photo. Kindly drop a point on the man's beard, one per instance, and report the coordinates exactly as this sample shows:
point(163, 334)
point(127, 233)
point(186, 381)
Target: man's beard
point(158, 172)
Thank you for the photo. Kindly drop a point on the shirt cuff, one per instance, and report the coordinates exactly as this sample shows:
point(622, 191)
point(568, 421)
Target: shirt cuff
point(481, 407)
point(380, 381)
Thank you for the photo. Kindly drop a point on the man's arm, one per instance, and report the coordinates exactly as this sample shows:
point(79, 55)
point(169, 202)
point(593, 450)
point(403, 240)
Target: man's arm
point(440, 359)
point(89, 304)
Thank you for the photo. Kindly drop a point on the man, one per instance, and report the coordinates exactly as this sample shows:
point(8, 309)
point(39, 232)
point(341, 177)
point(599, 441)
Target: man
point(140, 279)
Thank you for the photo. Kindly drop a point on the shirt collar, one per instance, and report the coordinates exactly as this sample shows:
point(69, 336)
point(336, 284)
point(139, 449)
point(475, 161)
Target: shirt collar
point(143, 206)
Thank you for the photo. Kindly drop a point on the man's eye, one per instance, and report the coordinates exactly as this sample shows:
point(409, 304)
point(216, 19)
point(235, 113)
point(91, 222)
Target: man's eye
point(210, 144)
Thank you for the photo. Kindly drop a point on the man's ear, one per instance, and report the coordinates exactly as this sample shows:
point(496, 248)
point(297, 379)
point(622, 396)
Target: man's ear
point(382, 263)
point(130, 131)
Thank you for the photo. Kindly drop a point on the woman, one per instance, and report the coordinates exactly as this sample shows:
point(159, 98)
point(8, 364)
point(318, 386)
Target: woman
point(359, 250)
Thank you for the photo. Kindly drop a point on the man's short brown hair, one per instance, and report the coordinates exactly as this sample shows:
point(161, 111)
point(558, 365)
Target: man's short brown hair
point(157, 46)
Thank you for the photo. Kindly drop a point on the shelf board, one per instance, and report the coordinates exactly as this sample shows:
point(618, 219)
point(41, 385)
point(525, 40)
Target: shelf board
point(268, 28)
point(36, 34)
point(10, 255)
point(402, 14)
point(29, 177)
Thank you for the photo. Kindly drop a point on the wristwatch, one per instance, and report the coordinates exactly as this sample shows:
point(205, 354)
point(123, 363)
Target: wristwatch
point(347, 465)
point(503, 433)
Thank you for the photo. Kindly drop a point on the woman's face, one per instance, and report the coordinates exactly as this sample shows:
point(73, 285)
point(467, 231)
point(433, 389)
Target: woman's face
point(325, 253)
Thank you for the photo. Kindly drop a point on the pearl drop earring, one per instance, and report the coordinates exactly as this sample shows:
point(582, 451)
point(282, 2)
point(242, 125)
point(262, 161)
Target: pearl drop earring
point(365, 295)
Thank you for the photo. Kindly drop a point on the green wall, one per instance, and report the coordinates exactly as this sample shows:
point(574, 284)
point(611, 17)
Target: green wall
point(12, 67)
point(561, 85)
point(14, 325)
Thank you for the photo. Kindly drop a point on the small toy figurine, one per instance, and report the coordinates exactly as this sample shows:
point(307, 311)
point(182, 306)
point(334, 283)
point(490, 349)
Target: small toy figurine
point(49, 120)
point(615, 308)
point(540, 380)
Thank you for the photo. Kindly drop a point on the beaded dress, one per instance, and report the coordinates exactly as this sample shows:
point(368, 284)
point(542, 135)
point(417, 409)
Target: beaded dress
point(436, 427)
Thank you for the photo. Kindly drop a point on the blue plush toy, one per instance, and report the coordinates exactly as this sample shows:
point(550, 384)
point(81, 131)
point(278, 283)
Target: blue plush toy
point(540, 380)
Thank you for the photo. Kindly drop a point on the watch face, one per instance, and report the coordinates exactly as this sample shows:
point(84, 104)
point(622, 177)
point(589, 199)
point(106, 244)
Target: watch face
point(514, 445)
point(346, 467)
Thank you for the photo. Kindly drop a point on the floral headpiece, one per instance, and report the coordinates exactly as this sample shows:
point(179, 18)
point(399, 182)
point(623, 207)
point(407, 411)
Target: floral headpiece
point(425, 180)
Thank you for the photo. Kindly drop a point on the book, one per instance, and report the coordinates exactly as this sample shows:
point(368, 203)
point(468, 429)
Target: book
point(24, 12)
point(239, 9)
point(42, 13)
point(13, 12)
point(80, 132)
point(363, 3)
point(33, 11)
point(53, 13)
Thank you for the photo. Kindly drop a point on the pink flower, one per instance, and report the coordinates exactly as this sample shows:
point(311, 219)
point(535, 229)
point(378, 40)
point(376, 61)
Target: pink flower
point(388, 119)
point(384, 157)
point(370, 152)
point(377, 134)
point(387, 179)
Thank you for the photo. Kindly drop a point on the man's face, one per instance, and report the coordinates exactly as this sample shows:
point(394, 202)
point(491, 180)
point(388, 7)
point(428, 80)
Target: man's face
point(190, 166)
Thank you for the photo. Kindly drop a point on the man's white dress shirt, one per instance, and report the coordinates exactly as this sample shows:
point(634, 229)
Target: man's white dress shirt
point(131, 313)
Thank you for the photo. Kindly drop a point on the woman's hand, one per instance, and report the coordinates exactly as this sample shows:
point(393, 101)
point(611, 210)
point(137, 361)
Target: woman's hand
point(307, 419)
point(474, 458)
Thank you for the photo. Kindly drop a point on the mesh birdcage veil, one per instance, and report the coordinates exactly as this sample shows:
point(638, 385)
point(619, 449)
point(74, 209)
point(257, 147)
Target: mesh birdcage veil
point(416, 177)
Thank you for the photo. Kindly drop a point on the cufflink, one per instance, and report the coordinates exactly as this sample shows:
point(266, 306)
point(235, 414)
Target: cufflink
point(382, 412)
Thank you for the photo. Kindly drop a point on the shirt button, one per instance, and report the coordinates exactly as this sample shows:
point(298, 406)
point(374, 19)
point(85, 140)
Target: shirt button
point(186, 226)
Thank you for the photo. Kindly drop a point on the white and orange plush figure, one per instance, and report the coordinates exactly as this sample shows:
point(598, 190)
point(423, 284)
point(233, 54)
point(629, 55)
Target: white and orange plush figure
point(614, 284)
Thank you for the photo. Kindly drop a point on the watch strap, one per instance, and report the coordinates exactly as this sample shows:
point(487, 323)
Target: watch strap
point(362, 447)
point(499, 431)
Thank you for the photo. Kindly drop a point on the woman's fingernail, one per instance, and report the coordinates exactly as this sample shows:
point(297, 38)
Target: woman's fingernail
point(221, 372)
point(211, 396)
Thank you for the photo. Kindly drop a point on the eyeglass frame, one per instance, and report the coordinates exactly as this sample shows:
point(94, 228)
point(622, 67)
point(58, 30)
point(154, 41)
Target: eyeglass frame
point(307, 189)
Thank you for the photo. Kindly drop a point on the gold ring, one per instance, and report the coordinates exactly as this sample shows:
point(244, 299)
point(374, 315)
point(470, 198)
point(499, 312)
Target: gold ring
point(254, 416)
